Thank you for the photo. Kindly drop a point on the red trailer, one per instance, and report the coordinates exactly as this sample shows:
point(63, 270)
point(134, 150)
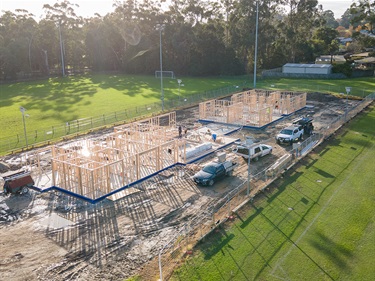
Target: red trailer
point(18, 183)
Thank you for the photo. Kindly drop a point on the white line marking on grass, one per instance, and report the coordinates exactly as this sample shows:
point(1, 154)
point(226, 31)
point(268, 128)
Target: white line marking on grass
point(281, 260)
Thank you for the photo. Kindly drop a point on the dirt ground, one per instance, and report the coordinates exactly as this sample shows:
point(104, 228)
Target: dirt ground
point(51, 236)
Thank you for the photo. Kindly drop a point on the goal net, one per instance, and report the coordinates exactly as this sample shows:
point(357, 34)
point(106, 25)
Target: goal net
point(166, 74)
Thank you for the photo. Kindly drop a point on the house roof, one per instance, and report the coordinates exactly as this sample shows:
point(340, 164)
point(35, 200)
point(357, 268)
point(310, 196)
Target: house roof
point(360, 55)
point(366, 60)
point(346, 40)
point(328, 58)
point(307, 65)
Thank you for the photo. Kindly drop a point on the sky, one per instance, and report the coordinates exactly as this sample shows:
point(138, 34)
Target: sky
point(88, 8)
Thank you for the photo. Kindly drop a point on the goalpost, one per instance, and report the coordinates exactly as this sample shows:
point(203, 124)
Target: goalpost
point(166, 74)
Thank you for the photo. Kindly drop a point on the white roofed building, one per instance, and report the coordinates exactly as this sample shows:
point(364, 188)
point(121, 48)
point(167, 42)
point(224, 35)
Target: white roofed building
point(304, 68)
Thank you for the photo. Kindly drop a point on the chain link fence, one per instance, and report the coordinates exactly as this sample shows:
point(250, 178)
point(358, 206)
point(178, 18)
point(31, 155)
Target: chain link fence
point(198, 228)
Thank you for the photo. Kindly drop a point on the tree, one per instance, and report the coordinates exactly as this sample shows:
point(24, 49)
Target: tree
point(296, 29)
point(325, 42)
point(329, 19)
point(364, 15)
point(18, 33)
point(346, 18)
point(69, 26)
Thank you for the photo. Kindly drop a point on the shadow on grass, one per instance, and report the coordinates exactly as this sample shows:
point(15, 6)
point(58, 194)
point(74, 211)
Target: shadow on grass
point(323, 173)
point(335, 252)
point(324, 151)
point(277, 225)
point(304, 201)
point(359, 143)
point(287, 239)
point(283, 186)
point(217, 240)
point(311, 163)
point(246, 222)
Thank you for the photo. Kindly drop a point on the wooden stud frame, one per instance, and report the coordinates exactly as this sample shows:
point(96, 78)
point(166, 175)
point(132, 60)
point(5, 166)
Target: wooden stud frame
point(93, 168)
point(253, 108)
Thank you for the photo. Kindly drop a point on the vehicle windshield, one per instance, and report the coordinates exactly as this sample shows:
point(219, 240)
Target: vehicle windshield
point(286, 132)
point(209, 169)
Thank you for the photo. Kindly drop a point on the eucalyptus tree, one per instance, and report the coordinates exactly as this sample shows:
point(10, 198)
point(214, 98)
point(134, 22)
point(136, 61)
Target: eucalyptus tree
point(135, 23)
point(17, 40)
point(242, 25)
point(297, 28)
point(179, 36)
point(329, 19)
point(200, 38)
point(346, 18)
point(49, 46)
point(69, 29)
point(325, 41)
point(103, 44)
point(363, 12)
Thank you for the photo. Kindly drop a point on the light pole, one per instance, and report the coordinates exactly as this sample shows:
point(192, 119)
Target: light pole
point(22, 109)
point(348, 89)
point(61, 51)
point(248, 175)
point(179, 81)
point(256, 48)
point(160, 28)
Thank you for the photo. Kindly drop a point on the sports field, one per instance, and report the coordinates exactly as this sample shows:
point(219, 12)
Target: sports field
point(55, 101)
point(317, 223)
point(58, 100)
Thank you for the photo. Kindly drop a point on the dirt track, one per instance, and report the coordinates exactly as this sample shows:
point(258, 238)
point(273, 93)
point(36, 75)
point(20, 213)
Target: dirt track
point(53, 237)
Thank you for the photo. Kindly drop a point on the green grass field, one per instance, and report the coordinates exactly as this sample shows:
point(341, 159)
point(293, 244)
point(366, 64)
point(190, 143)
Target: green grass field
point(58, 100)
point(360, 87)
point(318, 223)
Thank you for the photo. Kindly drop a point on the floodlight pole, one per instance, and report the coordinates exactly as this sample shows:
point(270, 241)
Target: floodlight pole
point(256, 47)
point(348, 89)
point(160, 28)
point(248, 175)
point(62, 52)
point(179, 81)
point(22, 109)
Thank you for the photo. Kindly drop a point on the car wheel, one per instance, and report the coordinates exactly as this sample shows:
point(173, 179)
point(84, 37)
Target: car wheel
point(278, 142)
point(24, 190)
point(300, 138)
point(230, 173)
point(211, 183)
point(256, 158)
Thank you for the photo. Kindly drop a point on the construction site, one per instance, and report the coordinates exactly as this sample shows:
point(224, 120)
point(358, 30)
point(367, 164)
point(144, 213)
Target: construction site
point(105, 206)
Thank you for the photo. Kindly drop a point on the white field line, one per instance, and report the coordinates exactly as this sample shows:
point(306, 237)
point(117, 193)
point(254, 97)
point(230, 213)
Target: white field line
point(281, 260)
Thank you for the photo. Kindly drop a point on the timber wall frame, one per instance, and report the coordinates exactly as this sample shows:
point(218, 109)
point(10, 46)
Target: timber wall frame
point(94, 168)
point(254, 108)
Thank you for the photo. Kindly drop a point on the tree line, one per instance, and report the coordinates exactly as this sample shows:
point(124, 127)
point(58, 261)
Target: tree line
point(199, 37)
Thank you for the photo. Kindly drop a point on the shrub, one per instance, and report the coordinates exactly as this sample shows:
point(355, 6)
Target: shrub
point(345, 68)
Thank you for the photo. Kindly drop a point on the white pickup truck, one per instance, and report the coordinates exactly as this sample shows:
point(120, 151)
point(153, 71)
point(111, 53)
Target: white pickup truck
point(256, 150)
point(290, 134)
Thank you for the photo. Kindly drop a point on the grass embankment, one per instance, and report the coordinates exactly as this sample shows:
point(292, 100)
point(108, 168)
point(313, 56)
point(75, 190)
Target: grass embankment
point(318, 223)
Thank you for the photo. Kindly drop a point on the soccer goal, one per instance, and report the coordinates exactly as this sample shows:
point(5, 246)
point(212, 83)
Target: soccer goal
point(166, 74)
